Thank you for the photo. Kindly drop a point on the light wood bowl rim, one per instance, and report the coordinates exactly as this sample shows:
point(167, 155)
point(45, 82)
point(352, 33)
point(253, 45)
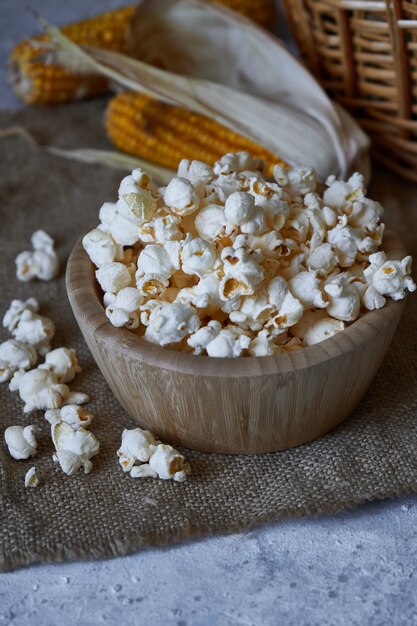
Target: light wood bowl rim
point(83, 293)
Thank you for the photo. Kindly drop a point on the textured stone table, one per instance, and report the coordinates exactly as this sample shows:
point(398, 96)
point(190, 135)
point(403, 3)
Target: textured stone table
point(352, 568)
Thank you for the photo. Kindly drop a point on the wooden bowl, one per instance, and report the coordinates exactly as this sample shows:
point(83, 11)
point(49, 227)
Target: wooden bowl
point(246, 405)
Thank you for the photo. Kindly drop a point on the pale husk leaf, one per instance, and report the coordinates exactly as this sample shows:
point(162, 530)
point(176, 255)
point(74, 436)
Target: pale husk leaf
point(266, 94)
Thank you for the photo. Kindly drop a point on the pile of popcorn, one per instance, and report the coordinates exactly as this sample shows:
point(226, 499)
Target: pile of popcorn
point(223, 262)
point(44, 387)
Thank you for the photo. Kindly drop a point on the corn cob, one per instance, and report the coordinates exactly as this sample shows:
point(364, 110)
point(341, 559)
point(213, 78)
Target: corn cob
point(38, 80)
point(164, 134)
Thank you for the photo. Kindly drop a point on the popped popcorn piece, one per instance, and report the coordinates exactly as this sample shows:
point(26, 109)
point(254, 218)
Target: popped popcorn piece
point(74, 448)
point(203, 336)
point(344, 294)
point(297, 181)
point(172, 322)
point(238, 162)
point(198, 173)
point(181, 197)
point(136, 446)
point(72, 414)
point(289, 308)
point(35, 330)
point(168, 463)
point(113, 277)
point(340, 193)
point(123, 309)
point(31, 478)
point(21, 441)
point(42, 263)
point(231, 341)
point(14, 313)
point(211, 223)
point(240, 210)
point(316, 326)
point(137, 198)
point(243, 273)
point(63, 362)
point(101, 247)
point(39, 389)
point(386, 278)
point(306, 287)
point(156, 264)
point(262, 344)
point(254, 311)
point(15, 355)
point(346, 241)
point(107, 213)
point(198, 256)
point(143, 471)
point(322, 259)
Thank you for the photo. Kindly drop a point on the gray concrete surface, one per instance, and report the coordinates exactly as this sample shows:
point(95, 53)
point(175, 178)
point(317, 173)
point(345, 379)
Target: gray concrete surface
point(356, 568)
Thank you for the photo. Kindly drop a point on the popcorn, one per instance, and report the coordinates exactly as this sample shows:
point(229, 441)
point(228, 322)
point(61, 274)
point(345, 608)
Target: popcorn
point(74, 448)
point(181, 197)
point(42, 263)
point(243, 273)
point(316, 326)
point(21, 441)
point(101, 247)
point(39, 389)
point(35, 330)
point(344, 295)
point(113, 277)
point(386, 278)
point(306, 287)
point(211, 223)
point(15, 311)
point(124, 308)
point(63, 362)
point(72, 414)
point(31, 478)
point(137, 198)
point(143, 471)
point(15, 355)
point(231, 341)
point(203, 336)
point(296, 181)
point(289, 309)
point(238, 162)
point(226, 263)
point(240, 210)
point(197, 172)
point(136, 446)
point(167, 463)
point(172, 322)
point(198, 256)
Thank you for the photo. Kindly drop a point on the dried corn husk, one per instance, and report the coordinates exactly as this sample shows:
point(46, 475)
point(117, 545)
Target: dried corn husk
point(222, 65)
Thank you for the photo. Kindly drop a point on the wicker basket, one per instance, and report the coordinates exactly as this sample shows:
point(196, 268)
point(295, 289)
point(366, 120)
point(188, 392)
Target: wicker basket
point(364, 53)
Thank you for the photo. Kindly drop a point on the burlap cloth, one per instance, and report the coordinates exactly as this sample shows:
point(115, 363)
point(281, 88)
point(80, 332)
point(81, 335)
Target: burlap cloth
point(372, 455)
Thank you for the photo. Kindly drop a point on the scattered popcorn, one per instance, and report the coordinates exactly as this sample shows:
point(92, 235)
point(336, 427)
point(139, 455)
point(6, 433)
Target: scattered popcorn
point(74, 448)
point(225, 263)
point(39, 389)
point(168, 463)
point(72, 414)
point(143, 456)
point(36, 330)
point(21, 441)
point(14, 313)
point(42, 263)
point(63, 362)
point(136, 446)
point(15, 355)
point(31, 478)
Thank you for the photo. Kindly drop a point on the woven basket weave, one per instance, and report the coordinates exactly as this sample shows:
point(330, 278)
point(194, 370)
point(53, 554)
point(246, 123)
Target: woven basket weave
point(364, 53)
